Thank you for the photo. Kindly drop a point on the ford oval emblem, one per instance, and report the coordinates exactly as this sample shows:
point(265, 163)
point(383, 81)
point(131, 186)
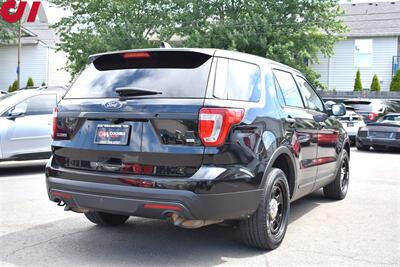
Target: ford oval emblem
point(113, 105)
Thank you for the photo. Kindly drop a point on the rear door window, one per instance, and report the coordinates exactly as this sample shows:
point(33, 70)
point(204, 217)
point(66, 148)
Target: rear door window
point(289, 88)
point(237, 80)
point(174, 74)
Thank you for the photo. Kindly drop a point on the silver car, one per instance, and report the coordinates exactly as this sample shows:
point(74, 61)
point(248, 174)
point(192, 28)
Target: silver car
point(26, 123)
point(351, 123)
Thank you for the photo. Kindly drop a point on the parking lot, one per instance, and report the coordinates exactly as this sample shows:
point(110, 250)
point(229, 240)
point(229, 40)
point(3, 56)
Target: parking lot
point(364, 229)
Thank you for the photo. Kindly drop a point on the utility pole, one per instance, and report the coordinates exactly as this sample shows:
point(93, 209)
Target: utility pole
point(19, 53)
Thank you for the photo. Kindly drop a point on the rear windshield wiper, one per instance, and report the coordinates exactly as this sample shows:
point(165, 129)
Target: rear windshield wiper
point(127, 92)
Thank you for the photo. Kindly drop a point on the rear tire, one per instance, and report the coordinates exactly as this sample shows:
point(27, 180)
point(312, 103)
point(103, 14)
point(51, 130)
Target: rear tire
point(339, 187)
point(266, 228)
point(106, 219)
point(362, 148)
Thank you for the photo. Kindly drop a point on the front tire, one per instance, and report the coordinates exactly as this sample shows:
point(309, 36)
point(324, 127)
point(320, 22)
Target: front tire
point(106, 219)
point(266, 228)
point(339, 187)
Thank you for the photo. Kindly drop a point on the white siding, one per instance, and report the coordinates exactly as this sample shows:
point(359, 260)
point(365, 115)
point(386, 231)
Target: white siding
point(34, 60)
point(343, 72)
point(57, 74)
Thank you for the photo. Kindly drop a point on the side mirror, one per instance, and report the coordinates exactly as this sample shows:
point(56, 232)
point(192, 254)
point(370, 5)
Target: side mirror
point(338, 110)
point(14, 113)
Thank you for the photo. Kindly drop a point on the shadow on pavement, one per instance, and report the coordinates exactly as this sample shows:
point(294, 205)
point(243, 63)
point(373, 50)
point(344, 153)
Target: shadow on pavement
point(21, 168)
point(141, 242)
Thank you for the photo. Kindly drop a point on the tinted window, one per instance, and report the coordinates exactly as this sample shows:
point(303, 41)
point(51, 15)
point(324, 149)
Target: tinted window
point(365, 105)
point(392, 118)
point(237, 80)
point(175, 74)
point(37, 105)
point(289, 88)
point(311, 99)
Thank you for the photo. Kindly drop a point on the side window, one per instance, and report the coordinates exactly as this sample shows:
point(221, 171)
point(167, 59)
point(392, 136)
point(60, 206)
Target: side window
point(289, 88)
point(311, 99)
point(279, 93)
point(237, 80)
point(221, 78)
point(37, 105)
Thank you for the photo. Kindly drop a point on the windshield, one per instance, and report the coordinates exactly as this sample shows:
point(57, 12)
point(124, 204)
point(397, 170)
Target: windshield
point(7, 100)
point(174, 74)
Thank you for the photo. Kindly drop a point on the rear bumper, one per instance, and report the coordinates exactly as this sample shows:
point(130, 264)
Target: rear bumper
point(131, 200)
point(395, 143)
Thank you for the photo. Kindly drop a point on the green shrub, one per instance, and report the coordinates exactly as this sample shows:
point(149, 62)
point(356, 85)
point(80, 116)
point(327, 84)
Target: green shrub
point(357, 84)
point(43, 83)
point(395, 84)
point(13, 87)
point(30, 82)
point(375, 85)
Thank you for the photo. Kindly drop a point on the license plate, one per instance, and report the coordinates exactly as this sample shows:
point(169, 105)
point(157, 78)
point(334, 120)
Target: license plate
point(350, 124)
point(117, 135)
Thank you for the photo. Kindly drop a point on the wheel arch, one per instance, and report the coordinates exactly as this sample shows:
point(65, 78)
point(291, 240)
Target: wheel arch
point(283, 159)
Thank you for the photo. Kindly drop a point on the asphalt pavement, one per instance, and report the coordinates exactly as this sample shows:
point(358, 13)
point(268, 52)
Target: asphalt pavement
point(362, 230)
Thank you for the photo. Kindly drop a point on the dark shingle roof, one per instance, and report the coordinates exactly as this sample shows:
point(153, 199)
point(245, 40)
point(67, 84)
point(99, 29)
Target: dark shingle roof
point(372, 19)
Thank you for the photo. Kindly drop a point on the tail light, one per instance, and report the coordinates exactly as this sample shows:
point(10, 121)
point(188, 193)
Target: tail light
point(215, 124)
point(133, 55)
point(59, 130)
point(372, 116)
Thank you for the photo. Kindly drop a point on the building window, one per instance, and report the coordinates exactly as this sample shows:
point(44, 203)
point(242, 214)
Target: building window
point(363, 53)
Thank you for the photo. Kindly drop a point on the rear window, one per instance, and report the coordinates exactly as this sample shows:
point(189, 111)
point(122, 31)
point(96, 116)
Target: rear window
point(365, 106)
point(175, 74)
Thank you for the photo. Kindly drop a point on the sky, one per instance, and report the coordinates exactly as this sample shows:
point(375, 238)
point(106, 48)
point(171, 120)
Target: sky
point(55, 14)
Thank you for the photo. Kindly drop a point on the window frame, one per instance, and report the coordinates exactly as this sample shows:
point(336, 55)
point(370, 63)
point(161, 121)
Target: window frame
point(371, 53)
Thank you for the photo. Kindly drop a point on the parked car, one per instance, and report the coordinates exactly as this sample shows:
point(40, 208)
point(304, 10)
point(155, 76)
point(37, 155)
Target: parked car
point(373, 109)
point(26, 121)
point(3, 93)
point(195, 136)
point(352, 122)
point(384, 134)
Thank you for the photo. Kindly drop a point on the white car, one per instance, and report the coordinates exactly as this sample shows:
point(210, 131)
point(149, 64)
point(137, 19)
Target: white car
point(26, 123)
point(352, 122)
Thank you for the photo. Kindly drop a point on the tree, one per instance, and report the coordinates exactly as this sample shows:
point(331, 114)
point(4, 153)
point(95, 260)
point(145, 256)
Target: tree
point(43, 83)
point(375, 85)
point(13, 87)
point(395, 84)
point(8, 31)
point(357, 84)
point(292, 32)
point(30, 82)
point(99, 26)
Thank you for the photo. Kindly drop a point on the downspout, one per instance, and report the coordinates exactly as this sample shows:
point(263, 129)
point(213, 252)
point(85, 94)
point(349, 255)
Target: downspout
point(329, 72)
point(48, 66)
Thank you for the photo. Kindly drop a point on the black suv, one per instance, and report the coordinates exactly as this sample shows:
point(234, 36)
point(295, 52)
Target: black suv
point(195, 136)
